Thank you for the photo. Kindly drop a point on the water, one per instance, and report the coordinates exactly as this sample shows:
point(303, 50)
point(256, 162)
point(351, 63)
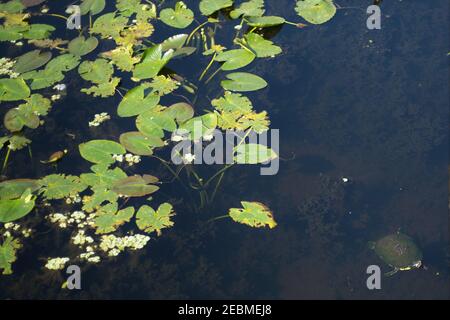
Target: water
point(370, 106)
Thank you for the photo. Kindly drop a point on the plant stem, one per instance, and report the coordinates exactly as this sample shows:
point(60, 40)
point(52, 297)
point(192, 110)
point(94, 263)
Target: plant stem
point(218, 218)
point(5, 162)
point(212, 76)
point(208, 66)
point(57, 15)
point(194, 31)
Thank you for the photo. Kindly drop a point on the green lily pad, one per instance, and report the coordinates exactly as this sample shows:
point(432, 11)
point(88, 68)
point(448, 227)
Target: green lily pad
point(13, 209)
point(243, 81)
point(92, 6)
point(252, 8)
point(253, 214)
point(154, 122)
point(38, 31)
point(252, 153)
point(316, 11)
point(180, 17)
point(98, 71)
point(265, 22)
point(174, 42)
point(13, 189)
point(233, 102)
point(137, 143)
point(199, 127)
point(135, 186)
point(8, 251)
point(149, 220)
point(181, 112)
point(152, 62)
point(31, 60)
point(100, 151)
point(135, 102)
point(81, 46)
point(15, 119)
point(262, 47)
point(59, 186)
point(208, 7)
point(235, 59)
point(13, 89)
point(109, 219)
point(102, 176)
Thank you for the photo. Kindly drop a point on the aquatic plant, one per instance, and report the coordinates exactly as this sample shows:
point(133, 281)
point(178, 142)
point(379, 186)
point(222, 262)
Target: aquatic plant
point(99, 196)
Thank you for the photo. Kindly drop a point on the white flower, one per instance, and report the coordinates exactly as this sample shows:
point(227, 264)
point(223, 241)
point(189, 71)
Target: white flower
point(188, 158)
point(208, 137)
point(60, 87)
point(237, 27)
point(56, 263)
point(55, 97)
point(177, 138)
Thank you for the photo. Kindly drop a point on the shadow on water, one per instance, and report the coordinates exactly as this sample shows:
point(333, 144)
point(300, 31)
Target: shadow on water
point(363, 139)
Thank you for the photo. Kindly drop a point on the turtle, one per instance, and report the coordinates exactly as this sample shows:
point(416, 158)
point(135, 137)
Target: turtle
point(55, 157)
point(398, 251)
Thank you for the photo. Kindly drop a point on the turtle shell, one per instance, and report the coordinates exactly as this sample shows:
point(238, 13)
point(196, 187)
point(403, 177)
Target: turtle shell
point(398, 250)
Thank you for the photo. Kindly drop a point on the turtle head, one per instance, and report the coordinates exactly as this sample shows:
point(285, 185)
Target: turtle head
point(65, 151)
point(417, 264)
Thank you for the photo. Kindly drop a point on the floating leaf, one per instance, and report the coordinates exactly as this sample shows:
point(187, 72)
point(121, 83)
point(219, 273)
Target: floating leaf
point(13, 89)
point(128, 7)
point(102, 176)
point(99, 197)
point(252, 8)
point(12, 33)
point(109, 219)
point(262, 47)
point(17, 142)
point(140, 144)
point(163, 85)
point(38, 31)
point(174, 42)
point(181, 112)
point(264, 22)
point(154, 122)
point(208, 7)
point(31, 60)
point(81, 46)
point(316, 11)
point(180, 17)
point(235, 59)
point(8, 251)
point(104, 89)
point(253, 214)
point(13, 189)
point(199, 127)
point(13, 6)
point(109, 25)
point(98, 71)
point(232, 102)
point(135, 102)
point(243, 81)
point(58, 186)
point(152, 62)
point(135, 186)
point(100, 151)
point(92, 6)
point(15, 119)
point(148, 220)
point(252, 153)
point(13, 209)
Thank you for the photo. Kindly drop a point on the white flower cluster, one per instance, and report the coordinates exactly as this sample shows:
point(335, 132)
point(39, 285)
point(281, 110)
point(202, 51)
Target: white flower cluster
point(78, 218)
point(188, 158)
point(6, 65)
point(60, 87)
point(56, 263)
point(129, 158)
point(55, 97)
point(73, 199)
point(99, 119)
point(16, 230)
point(114, 245)
point(80, 239)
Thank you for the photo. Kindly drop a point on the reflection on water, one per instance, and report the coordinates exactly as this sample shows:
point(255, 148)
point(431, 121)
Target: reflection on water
point(368, 106)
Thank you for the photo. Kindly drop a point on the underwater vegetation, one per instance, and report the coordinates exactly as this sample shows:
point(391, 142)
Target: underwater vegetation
point(136, 69)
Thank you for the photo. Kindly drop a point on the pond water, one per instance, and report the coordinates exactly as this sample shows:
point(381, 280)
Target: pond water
point(370, 106)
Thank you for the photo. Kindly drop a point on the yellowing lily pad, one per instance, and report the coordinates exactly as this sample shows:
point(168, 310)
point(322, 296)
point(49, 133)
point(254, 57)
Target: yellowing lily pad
point(253, 214)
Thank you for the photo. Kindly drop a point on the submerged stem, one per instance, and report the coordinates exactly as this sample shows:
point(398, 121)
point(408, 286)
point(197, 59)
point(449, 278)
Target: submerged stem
point(208, 66)
point(194, 31)
point(5, 162)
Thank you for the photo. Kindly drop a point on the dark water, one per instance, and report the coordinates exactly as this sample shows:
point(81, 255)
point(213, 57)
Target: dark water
point(371, 106)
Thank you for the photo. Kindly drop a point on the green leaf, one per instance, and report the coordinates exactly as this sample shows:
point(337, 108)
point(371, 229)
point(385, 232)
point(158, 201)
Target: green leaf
point(81, 46)
point(199, 127)
point(235, 59)
point(148, 220)
point(181, 112)
point(174, 42)
point(108, 25)
point(136, 186)
point(128, 7)
point(262, 47)
point(252, 153)
point(137, 143)
point(104, 89)
point(252, 8)
point(253, 214)
point(31, 60)
point(99, 197)
point(108, 219)
point(232, 102)
point(208, 7)
point(11, 210)
point(12, 33)
point(8, 251)
point(154, 122)
point(135, 102)
point(58, 186)
point(38, 31)
point(316, 11)
point(100, 151)
point(242, 81)
point(152, 62)
point(265, 22)
point(102, 176)
point(98, 71)
point(15, 119)
point(13, 189)
point(92, 6)
point(180, 17)
point(13, 89)
point(13, 6)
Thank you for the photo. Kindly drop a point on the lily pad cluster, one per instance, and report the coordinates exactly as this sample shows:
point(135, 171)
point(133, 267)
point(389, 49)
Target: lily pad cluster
point(135, 69)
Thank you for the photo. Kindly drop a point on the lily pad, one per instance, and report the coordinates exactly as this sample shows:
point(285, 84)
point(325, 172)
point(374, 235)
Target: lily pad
point(13, 189)
point(154, 122)
point(316, 11)
point(13, 89)
point(180, 17)
point(149, 220)
point(98, 71)
point(31, 60)
point(208, 7)
point(58, 186)
point(181, 111)
point(109, 219)
point(262, 47)
point(265, 22)
point(253, 214)
point(100, 151)
point(81, 46)
point(243, 81)
point(135, 102)
point(253, 153)
point(8, 251)
point(252, 8)
point(13, 209)
point(92, 6)
point(152, 62)
point(235, 59)
point(135, 186)
point(137, 143)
